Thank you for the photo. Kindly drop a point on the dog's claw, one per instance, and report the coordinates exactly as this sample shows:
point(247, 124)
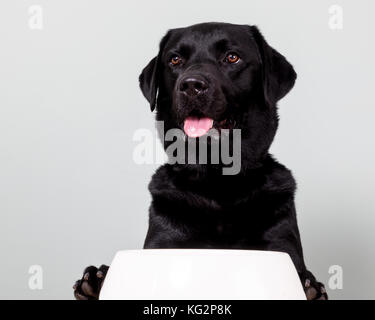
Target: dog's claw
point(100, 274)
point(307, 283)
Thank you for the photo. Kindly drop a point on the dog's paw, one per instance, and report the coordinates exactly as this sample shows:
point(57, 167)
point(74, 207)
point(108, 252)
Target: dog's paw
point(314, 290)
point(88, 288)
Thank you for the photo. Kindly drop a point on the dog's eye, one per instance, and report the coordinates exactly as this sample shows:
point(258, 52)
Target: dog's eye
point(175, 60)
point(232, 58)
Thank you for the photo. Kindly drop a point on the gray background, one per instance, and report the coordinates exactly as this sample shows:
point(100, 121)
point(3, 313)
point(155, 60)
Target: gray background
point(70, 193)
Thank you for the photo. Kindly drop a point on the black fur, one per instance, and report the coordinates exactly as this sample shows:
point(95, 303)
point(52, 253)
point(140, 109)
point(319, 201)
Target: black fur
point(196, 206)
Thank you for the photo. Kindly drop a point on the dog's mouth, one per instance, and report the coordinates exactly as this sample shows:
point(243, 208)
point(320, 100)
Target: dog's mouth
point(195, 127)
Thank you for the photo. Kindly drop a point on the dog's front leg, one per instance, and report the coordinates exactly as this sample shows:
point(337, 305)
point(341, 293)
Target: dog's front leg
point(163, 233)
point(284, 236)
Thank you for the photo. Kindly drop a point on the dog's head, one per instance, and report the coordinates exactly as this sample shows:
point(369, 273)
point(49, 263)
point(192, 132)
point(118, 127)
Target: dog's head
point(218, 75)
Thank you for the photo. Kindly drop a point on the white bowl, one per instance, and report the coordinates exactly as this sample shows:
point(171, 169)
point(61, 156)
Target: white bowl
point(184, 274)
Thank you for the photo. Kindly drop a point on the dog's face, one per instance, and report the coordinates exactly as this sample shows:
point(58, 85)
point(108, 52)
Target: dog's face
point(218, 75)
point(208, 70)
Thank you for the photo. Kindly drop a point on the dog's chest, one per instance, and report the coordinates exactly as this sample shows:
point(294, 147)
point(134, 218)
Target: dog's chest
point(216, 211)
point(219, 208)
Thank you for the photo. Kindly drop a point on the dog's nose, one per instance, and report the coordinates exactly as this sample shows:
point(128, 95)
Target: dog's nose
point(193, 86)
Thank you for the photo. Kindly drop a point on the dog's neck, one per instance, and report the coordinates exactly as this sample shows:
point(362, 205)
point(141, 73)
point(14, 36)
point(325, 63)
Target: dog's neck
point(197, 172)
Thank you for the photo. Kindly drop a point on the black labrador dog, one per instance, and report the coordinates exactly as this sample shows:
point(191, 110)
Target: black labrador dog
point(220, 76)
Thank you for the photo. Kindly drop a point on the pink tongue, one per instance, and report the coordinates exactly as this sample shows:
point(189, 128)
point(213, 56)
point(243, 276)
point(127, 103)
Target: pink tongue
point(197, 127)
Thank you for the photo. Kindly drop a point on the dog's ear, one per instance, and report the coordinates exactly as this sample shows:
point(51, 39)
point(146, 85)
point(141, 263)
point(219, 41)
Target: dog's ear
point(278, 74)
point(150, 76)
